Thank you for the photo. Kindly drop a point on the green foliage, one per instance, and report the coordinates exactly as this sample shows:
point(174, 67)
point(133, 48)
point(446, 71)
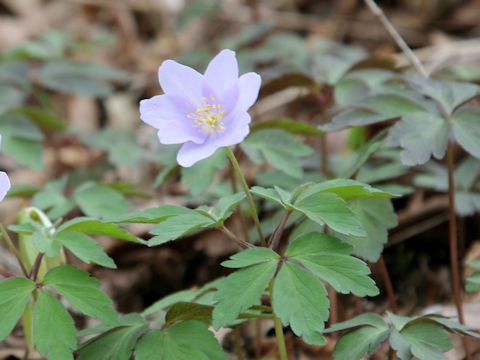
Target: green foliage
point(466, 129)
point(376, 216)
point(14, 295)
point(54, 331)
point(300, 300)
point(100, 201)
point(115, 342)
point(81, 291)
point(288, 125)
point(88, 79)
point(183, 341)
point(330, 260)
point(244, 287)
point(277, 147)
point(421, 135)
point(365, 340)
point(200, 176)
point(473, 280)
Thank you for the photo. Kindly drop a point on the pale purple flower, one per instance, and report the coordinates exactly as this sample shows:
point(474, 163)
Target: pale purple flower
point(202, 112)
point(4, 181)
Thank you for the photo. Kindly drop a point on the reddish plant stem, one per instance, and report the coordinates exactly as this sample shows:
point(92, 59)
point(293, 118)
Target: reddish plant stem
point(358, 304)
point(243, 244)
point(36, 267)
point(6, 274)
point(388, 285)
point(277, 235)
point(457, 289)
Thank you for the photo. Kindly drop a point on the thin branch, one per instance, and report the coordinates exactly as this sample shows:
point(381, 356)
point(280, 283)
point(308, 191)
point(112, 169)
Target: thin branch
point(378, 12)
point(243, 244)
point(13, 249)
point(6, 274)
point(277, 235)
point(388, 285)
point(36, 267)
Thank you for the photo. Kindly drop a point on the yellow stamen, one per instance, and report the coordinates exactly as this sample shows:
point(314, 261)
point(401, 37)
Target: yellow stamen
point(208, 116)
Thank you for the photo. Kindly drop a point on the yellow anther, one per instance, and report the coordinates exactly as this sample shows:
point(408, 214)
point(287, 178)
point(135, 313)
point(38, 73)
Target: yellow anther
point(208, 116)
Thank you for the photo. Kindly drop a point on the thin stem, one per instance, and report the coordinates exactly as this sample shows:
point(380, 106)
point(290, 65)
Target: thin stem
point(238, 342)
point(282, 348)
point(277, 235)
point(6, 274)
point(258, 339)
point(236, 166)
point(239, 211)
point(378, 12)
point(457, 289)
point(36, 267)
point(13, 249)
point(388, 285)
point(243, 244)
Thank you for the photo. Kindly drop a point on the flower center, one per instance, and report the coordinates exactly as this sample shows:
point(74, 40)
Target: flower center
point(208, 116)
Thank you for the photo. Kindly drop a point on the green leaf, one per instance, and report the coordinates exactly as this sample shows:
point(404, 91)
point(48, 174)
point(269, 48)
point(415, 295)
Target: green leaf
point(329, 259)
point(181, 296)
point(331, 210)
point(14, 295)
point(79, 78)
point(85, 248)
point(178, 226)
point(226, 204)
point(186, 340)
point(250, 257)
point(81, 291)
point(346, 189)
point(279, 148)
point(45, 243)
point(360, 342)
point(376, 217)
point(241, 290)
point(373, 109)
point(289, 125)
point(448, 94)
point(466, 129)
point(152, 215)
point(300, 300)
point(115, 343)
point(426, 341)
point(189, 311)
point(269, 194)
point(95, 227)
point(200, 176)
point(25, 151)
point(54, 331)
point(371, 319)
point(421, 135)
point(101, 201)
point(40, 117)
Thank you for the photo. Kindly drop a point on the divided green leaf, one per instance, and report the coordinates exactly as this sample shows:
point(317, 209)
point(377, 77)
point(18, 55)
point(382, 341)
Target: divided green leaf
point(240, 290)
point(14, 295)
point(81, 290)
point(329, 259)
point(185, 340)
point(115, 342)
point(300, 300)
point(54, 330)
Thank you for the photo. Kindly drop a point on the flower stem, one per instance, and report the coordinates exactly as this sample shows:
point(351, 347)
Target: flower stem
point(236, 166)
point(282, 348)
point(13, 249)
